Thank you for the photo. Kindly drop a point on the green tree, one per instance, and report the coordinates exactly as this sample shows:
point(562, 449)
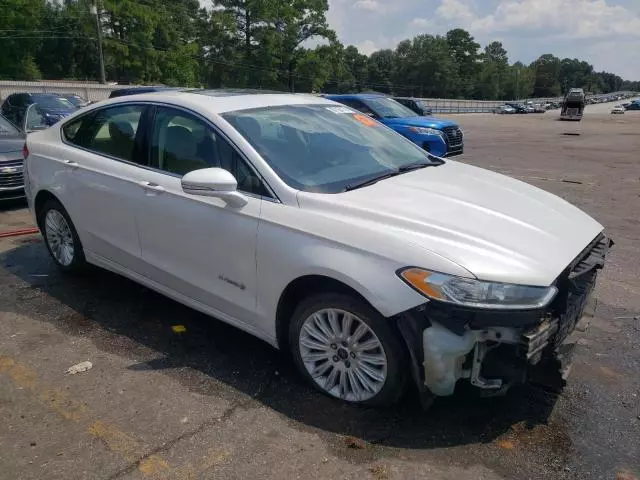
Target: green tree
point(464, 51)
point(493, 73)
point(424, 67)
point(547, 71)
point(20, 24)
point(290, 24)
point(380, 68)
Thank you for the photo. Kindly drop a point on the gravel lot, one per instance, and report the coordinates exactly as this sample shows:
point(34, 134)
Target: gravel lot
point(213, 402)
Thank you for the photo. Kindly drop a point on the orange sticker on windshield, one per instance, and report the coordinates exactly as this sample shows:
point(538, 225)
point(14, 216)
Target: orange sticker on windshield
point(369, 122)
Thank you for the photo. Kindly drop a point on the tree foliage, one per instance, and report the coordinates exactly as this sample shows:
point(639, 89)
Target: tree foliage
point(265, 44)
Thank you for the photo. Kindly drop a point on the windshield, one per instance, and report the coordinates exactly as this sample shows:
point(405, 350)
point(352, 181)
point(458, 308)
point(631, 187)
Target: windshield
point(76, 101)
point(54, 103)
point(324, 148)
point(388, 108)
point(7, 128)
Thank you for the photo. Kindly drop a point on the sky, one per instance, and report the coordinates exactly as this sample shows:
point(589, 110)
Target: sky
point(606, 33)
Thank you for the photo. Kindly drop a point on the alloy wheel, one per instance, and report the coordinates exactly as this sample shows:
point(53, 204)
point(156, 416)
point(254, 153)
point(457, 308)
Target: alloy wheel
point(59, 237)
point(343, 355)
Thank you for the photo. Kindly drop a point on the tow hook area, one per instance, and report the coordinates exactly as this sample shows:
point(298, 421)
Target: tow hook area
point(445, 353)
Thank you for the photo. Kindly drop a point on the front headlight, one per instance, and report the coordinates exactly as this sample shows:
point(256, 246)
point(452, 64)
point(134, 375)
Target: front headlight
point(426, 131)
point(470, 292)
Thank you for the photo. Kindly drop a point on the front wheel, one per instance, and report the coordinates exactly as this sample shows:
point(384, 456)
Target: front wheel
point(347, 350)
point(61, 237)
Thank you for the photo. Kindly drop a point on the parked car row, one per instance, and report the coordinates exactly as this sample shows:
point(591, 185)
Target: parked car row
point(527, 107)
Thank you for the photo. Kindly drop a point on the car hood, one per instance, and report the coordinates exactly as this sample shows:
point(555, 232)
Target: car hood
point(495, 227)
point(430, 122)
point(11, 143)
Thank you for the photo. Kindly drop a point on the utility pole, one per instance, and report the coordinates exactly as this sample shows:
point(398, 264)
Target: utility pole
point(95, 10)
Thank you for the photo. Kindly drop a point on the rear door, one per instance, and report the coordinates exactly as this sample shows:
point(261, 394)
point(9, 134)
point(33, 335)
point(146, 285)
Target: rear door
point(106, 157)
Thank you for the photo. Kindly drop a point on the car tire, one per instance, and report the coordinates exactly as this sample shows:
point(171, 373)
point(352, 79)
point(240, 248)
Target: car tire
point(347, 350)
point(61, 237)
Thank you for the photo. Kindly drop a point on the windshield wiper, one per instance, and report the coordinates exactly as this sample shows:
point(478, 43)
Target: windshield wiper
point(371, 181)
point(417, 165)
point(403, 169)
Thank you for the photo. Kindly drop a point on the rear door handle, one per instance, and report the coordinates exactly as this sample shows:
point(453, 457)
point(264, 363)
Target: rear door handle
point(152, 186)
point(71, 163)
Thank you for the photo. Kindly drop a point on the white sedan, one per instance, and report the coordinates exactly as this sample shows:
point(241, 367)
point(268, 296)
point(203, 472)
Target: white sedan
point(321, 231)
point(618, 109)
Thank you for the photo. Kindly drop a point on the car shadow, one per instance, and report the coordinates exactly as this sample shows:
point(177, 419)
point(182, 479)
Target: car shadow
point(108, 308)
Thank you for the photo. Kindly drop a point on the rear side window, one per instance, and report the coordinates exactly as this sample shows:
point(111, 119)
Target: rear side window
point(110, 131)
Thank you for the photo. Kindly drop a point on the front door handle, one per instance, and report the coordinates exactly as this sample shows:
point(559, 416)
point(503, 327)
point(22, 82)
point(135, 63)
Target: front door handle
point(152, 186)
point(71, 163)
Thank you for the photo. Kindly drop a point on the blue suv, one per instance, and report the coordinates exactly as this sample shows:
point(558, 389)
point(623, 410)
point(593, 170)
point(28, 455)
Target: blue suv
point(436, 135)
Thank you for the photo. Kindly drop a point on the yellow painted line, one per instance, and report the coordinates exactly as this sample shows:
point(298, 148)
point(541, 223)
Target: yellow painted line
point(116, 441)
point(213, 458)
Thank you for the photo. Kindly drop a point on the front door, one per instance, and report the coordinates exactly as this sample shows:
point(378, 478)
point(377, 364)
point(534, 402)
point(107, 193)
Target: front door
point(200, 247)
point(104, 157)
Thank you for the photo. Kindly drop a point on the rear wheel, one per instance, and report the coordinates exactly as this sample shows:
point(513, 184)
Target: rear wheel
point(61, 237)
point(348, 350)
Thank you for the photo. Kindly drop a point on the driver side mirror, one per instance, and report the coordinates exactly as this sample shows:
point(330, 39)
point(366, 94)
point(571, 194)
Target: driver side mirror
point(214, 182)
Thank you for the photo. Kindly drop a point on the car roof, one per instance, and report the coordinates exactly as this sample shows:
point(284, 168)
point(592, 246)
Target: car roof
point(356, 96)
point(136, 90)
point(224, 100)
point(43, 95)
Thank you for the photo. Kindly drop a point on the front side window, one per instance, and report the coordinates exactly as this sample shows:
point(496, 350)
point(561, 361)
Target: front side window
point(358, 105)
point(181, 143)
point(388, 108)
point(324, 148)
point(110, 131)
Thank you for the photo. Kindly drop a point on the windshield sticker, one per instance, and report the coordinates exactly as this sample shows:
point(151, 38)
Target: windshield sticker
point(368, 121)
point(340, 110)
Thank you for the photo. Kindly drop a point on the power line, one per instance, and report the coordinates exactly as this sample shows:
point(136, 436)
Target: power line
point(43, 37)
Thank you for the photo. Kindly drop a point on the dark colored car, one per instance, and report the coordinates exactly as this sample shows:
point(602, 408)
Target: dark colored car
point(633, 106)
point(76, 100)
point(416, 105)
point(518, 107)
point(11, 161)
point(137, 90)
point(51, 106)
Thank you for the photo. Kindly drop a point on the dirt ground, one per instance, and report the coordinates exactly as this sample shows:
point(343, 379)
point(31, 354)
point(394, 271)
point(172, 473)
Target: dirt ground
point(213, 402)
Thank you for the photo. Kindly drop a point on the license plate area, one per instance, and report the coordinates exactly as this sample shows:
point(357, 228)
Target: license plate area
point(555, 330)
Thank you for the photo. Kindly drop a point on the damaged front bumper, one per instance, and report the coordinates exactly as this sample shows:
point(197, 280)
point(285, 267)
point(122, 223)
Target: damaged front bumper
point(495, 349)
